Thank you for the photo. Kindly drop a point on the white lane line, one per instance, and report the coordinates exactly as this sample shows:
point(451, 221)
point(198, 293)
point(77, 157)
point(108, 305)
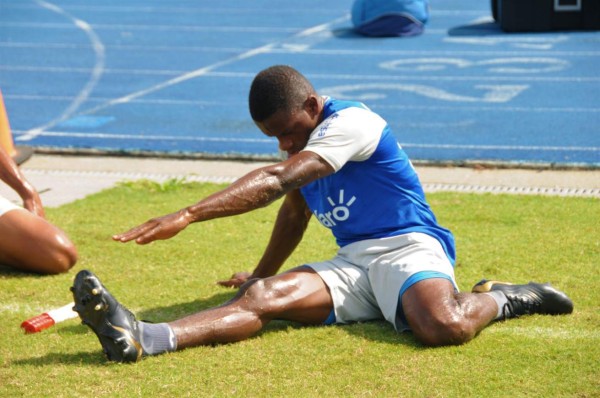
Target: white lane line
point(315, 51)
point(460, 108)
point(382, 77)
point(174, 9)
point(156, 28)
point(166, 101)
point(271, 141)
point(489, 108)
point(205, 70)
point(142, 137)
point(179, 79)
point(279, 10)
point(95, 75)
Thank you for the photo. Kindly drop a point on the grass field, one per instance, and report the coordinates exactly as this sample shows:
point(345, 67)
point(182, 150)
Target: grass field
point(515, 238)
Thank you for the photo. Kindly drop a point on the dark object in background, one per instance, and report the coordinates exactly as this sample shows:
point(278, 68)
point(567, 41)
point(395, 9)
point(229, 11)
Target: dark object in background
point(546, 15)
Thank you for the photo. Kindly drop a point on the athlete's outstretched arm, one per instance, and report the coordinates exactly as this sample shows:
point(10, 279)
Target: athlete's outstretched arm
point(252, 191)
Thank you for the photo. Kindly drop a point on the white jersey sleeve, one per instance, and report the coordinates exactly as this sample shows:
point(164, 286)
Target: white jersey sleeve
point(351, 134)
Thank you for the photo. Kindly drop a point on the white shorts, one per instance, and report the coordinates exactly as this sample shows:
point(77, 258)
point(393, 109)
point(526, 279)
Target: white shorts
point(6, 205)
point(367, 278)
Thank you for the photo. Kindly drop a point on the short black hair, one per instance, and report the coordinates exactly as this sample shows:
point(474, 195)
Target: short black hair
point(278, 87)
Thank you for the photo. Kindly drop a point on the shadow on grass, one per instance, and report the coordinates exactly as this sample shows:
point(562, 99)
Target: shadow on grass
point(376, 331)
point(381, 332)
point(7, 272)
point(95, 358)
point(180, 310)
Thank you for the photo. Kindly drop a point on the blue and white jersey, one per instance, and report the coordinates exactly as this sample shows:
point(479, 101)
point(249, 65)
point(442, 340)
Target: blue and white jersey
point(375, 191)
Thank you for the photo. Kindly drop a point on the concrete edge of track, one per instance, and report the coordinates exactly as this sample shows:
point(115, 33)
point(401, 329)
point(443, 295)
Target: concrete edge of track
point(63, 178)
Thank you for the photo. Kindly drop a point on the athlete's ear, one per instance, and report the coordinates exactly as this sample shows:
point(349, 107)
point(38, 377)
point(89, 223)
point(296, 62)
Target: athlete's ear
point(312, 105)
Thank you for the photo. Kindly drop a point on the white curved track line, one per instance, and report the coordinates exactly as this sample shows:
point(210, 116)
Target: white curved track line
point(92, 81)
point(176, 80)
point(208, 69)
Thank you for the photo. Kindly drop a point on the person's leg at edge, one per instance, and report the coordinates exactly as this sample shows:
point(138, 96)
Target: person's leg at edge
point(298, 295)
point(438, 316)
point(30, 243)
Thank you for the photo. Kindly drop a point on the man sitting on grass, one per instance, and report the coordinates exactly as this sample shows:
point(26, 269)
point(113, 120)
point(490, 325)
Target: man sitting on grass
point(395, 261)
point(28, 242)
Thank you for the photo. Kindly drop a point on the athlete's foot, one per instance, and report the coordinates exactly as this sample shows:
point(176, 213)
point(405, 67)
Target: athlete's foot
point(532, 298)
point(115, 326)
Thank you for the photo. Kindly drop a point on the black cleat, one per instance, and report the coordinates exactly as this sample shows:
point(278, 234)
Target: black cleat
point(532, 298)
point(115, 326)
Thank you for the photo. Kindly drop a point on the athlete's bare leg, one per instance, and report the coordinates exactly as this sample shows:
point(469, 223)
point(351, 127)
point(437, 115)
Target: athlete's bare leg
point(298, 295)
point(438, 315)
point(30, 243)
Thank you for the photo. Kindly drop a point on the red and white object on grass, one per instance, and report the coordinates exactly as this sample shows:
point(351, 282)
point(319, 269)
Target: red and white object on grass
point(49, 318)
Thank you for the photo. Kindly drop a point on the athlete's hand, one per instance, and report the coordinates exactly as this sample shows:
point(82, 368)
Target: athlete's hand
point(33, 203)
point(164, 227)
point(236, 280)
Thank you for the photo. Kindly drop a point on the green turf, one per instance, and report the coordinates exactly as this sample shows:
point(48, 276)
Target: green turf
point(515, 238)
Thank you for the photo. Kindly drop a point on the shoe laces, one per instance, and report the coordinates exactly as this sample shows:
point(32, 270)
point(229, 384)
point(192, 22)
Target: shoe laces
point(520, 305)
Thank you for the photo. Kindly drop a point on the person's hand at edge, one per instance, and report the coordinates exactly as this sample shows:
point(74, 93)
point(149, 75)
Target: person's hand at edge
point(33, 203)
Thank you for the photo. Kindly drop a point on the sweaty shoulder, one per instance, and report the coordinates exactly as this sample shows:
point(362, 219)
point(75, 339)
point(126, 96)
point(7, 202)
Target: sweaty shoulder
point(349, 132)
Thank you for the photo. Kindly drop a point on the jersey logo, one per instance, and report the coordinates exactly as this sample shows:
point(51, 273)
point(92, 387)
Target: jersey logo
point(340, 211)
point(325, 125)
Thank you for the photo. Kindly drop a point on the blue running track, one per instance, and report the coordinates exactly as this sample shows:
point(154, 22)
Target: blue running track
point(172, 78)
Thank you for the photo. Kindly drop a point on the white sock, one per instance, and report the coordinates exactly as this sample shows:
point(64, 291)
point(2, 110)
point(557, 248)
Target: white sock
point(501, 301)
point(157, 338)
